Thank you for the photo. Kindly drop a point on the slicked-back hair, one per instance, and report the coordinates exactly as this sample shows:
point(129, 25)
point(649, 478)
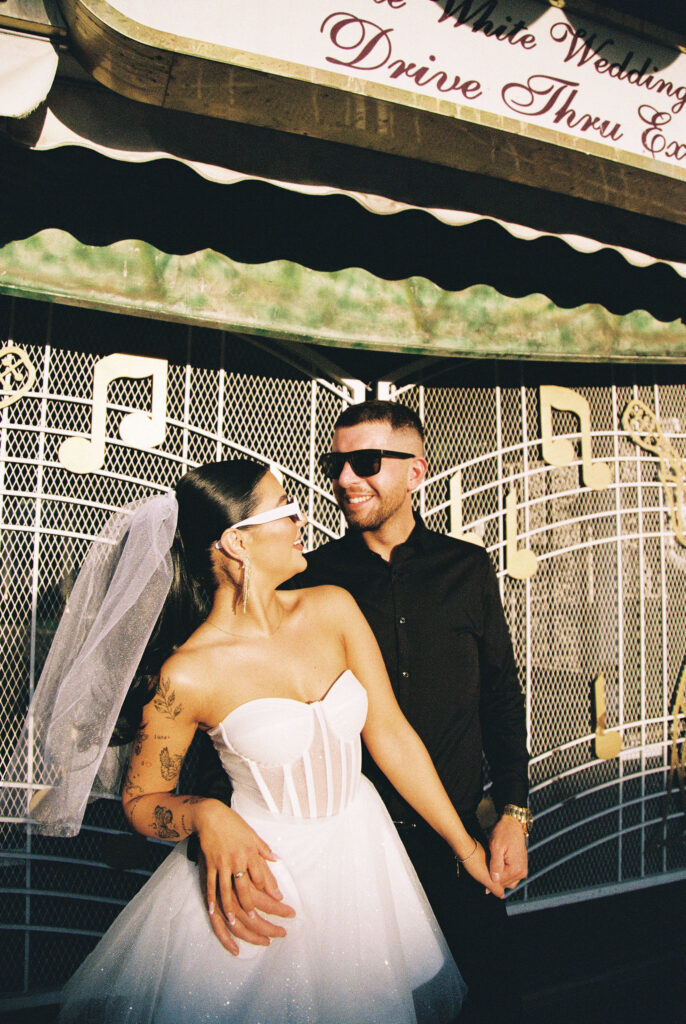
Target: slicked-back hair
point(210, 498)
point(398, 416)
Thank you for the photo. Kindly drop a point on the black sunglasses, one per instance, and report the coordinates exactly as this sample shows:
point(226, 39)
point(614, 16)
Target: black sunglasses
point(363, 462)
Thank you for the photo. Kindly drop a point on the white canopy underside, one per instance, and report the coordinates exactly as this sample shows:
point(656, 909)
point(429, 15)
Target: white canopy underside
point(79, 114)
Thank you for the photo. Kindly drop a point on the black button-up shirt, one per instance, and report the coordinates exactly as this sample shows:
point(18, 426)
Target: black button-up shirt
point(436, 613)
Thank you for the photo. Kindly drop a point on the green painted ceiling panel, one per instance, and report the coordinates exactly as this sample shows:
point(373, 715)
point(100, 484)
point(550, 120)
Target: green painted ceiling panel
point(350, 308)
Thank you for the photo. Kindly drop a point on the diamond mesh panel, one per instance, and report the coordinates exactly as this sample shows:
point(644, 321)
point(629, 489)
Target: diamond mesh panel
point(607, 594)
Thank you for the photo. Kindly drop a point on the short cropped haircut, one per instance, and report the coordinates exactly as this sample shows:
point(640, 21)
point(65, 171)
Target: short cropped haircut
point(398, 416)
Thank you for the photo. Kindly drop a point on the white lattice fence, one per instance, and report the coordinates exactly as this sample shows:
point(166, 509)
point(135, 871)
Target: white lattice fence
point(603, 592)
point(601, 588)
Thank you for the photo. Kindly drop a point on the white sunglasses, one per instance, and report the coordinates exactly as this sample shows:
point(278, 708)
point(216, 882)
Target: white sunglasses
point(289, 511)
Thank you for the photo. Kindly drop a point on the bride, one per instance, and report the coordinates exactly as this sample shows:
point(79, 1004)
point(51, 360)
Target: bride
point(284, 683)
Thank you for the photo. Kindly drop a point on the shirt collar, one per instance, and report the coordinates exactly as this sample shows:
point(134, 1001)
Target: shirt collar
point(417, 543)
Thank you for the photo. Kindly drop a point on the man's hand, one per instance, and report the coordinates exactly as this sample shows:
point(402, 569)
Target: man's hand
point(509, 860)
point(238, 923)
point(236, 879)
point(475, 864)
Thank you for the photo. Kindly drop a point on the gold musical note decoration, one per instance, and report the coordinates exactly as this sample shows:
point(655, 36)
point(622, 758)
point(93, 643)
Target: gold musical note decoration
point(643, 427)
point(456, 512)
point(560, 451)
point(677, 766)
point(17, 374)
point(607, 744)
point(520, 563)
point(137, 429)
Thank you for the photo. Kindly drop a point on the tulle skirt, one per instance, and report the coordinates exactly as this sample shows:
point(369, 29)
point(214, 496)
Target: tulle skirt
point(364, 947)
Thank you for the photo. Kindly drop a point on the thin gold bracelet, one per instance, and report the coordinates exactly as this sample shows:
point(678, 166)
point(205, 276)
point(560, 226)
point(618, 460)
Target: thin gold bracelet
point(464, 860)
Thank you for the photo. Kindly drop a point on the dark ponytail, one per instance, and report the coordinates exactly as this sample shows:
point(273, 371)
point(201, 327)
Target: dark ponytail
point(210, 499)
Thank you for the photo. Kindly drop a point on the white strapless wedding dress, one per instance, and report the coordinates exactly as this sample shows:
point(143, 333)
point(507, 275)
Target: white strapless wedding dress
point(364, 947)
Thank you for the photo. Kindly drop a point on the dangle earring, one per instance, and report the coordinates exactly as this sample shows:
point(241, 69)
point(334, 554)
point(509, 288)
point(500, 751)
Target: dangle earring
point(246, 583)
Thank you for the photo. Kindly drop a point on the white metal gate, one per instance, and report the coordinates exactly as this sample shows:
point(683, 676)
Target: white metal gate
point(592, 579)
point(592, 576)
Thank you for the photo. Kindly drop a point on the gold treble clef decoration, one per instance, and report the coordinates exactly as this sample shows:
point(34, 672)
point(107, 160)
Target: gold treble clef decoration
point(17, 374)
point(643, 427)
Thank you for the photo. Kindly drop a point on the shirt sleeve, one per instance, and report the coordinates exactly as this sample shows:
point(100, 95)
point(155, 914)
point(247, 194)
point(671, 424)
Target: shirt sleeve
point(503, 719)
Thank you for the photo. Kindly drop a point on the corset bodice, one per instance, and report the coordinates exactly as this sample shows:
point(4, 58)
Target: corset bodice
point(295, 758)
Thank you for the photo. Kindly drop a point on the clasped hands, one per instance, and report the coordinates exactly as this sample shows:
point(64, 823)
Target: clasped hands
point(506, 862)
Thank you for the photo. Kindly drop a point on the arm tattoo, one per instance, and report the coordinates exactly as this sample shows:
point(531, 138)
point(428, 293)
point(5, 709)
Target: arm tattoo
point(131, 787)
point(170, 764)
point(162, 823)
point(133, 805)
point(165, 701)
point(138, 741)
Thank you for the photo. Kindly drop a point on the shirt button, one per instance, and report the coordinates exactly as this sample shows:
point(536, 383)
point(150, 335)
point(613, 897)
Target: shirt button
point(405, 675)
point(401, 620)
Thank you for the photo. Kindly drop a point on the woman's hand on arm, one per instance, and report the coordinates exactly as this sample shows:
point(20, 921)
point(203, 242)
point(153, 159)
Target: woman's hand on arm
point(236, 879)
point(255, 930)
point(399, 751)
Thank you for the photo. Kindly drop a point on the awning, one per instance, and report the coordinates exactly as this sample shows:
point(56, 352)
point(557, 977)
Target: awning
point(27, 70)
point(350, 308)
point(77, 114)
point(137, 209)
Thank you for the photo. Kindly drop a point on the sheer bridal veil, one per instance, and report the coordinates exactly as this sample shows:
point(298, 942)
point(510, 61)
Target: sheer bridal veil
point(62, 755)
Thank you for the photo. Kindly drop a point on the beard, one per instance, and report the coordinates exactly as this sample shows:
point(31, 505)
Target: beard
point(373, 518)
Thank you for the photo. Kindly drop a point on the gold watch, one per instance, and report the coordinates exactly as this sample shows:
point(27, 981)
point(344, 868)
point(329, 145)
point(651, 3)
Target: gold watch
point(521, 814)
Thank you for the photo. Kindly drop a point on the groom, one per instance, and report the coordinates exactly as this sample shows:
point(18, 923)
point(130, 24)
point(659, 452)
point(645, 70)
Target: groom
point(433, 604)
